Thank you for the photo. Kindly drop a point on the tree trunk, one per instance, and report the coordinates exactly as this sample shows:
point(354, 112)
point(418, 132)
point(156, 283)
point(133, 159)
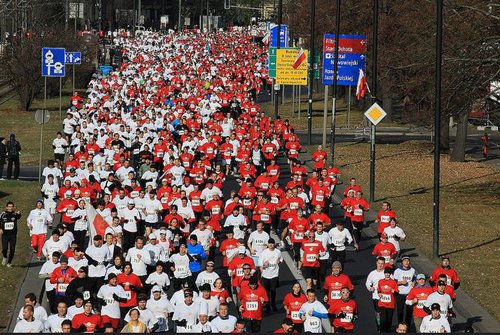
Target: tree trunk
point(458, 153)
point(387, 105)
point(445, 134)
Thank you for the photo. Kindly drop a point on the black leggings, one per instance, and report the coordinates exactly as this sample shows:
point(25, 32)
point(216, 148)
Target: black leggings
point(14, 161)
point(338, 256)
point(386, 319)
point(296, 251)
point(405, 312)
point(270, 286)
point(356, 230)
point(252, 326)
point(128, 240)
point(9, 240)
point(80, 237)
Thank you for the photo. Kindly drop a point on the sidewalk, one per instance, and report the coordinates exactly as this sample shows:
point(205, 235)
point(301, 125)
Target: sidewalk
point(466, 308)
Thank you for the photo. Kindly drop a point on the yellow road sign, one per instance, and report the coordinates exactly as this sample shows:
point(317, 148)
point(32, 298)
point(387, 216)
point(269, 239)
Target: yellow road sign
point(375, 114)
point(286, 74)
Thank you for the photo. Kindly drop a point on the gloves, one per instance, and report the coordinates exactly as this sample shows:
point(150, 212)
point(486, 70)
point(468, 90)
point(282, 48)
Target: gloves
point(132, 287)
point(340, 315)
point(181, 323)
point(197, 258)
point(103, 302)
point(117, 298)
point(241, 227)
point(346, 243)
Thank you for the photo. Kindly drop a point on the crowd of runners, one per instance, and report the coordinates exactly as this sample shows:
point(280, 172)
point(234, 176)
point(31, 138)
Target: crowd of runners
point(136, 232)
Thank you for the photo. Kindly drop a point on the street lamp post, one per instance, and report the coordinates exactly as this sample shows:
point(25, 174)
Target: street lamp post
point(277, 92)
point(437, 129)
point(335, 74)
point(374, 99)
point(311, 73)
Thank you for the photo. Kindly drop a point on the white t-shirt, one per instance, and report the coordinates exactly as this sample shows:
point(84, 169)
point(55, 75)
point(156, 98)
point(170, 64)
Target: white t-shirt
point(270, 261)
point(139, 263)
point(206, 277)
point(430, 325)
point(24, 326)
point(394, 232)
point(188, 313)
point(112, 308)
point(337, 238)
point(181, 264)
point(312, 323)
point(39, 314)
point(223, 326)
point(372, 281)
point(39, 218)
point(258, 241)
point(53, 323)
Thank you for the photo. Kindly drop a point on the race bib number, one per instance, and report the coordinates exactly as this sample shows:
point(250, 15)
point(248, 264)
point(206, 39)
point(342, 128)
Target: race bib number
point(137, 260)
point(358, 212)
point(348, 318)
point(265, 186)
point(216, 210)
point(210, 151)
point(247, 202)
point(70, 212)
point(110, 301)
point(181, 270)
point(164, 200)
point(311, 258)
point(420, 304)
point(295, 315)
point(239, 272)
point(293, 151)
point(251, 305)
point(86, 295)
point(40, 220)
point(128, 295)
point(313, 323)
point(385, 218)
point(274, 200)
point(387, 258)
point(61, 288)
point(160, 154)
point(195, 202)
point(273, 172)
point(134, 194)
point(299, 236)
point(9, 225)
point(319, 197)
point(264, 217)
point(185, 164)
point(294, 205)
point(448, 280)
point(335, 295)
point(386, 298)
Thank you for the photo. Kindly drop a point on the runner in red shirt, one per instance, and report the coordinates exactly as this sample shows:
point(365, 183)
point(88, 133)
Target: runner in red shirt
point(131, 284)
point(384, 217)
point(417, 297)
point(297, 228)
point(311, 249)
point(385, 249)
point(319, 216)
point(236, 265)
point(292, 303)
point(451, 274)
point(86, 322)
point(387, 289)
point(359, 207)
point(319, 157)
point(252, 300)
point(335, 282)
point(344, 312)
point(287, 327)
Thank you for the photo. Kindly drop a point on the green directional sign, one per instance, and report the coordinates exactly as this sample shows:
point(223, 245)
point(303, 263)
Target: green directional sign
point(272, 63)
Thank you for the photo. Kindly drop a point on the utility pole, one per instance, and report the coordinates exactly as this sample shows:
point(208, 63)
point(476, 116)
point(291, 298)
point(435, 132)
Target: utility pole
point(437, 129)
point(311, 73)
point(66, 15)
point(277, 91)
point(335, 75)
point(374, 91)
point(208, 13)
point(180, 17)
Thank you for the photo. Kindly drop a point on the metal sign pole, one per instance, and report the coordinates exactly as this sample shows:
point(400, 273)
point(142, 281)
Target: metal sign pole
point(283, 95)
point(60, 98)
point(325, 116)
point(349, 106)
point(293, 100)
point(41, 131)
point(73, 86)
point(300, 97)
point(374, 90)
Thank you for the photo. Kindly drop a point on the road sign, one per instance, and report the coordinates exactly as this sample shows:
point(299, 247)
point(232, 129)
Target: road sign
point(42, 116)
point(53, 62)
point(375, 114)
point(272, 62)
point(73, 58)
point(285, 73)
point(352, 57)
point(273, 43)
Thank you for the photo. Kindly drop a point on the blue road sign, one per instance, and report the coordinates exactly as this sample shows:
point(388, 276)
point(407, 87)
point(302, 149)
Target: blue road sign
point(53, 60)
point(73, 58)
point(283, 36)
point(352, 58)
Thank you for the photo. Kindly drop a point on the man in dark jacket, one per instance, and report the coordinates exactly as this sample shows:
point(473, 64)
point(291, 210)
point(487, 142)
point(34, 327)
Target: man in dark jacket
point(13, 153)
point(3, 155)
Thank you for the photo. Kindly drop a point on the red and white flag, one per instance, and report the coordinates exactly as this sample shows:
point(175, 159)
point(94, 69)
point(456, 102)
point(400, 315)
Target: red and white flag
point(97, 225)
point(362, 87)
point(301, 57)
point(266, 39)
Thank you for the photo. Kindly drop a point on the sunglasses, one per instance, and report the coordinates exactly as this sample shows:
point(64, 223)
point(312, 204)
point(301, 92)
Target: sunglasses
point(247, 269)
point(210, 266)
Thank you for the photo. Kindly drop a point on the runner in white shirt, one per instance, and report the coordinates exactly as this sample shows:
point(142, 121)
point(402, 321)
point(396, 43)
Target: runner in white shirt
point(49, 191)
point(186, 313)
point(39, 311)
point(139, 258)
point(270, 259)
point(159, 278)
point(238, 221)
point(208, 302)
point(161, 307)
point(28, 324)
point(435, 322)
point(224, 323)
point(54, 243)
point(147, 316)
point(339, 237)
point(46, 271)
point(395, 234)
point(98, 256)
point(208, 276)
point(372, 284)
point(311, 312)
point(203, 326)
point(257, 242)
point(441, 298)
point(111, 295)
point(37, 220)
point(53, 323)
point(177, 172)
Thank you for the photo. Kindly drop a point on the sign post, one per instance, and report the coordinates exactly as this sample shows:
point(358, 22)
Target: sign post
point(287, 72)
point(351, 53)
point(375, 114)
point(73, 58)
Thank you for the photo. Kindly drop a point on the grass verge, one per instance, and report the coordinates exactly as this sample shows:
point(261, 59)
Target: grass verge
point(470, 206)
point(22, 193)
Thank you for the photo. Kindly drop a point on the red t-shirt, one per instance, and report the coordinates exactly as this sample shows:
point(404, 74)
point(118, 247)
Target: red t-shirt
point(334, 284)
point(311, 253)
point(91, 322)
point(349, 308)
point(421, 293)
point(386, 296)
point(293, 305)
point(252, 302)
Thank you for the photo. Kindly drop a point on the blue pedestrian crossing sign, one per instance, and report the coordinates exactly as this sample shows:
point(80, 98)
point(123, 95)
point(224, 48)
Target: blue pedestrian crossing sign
point(53, 61)
point(73, 58)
